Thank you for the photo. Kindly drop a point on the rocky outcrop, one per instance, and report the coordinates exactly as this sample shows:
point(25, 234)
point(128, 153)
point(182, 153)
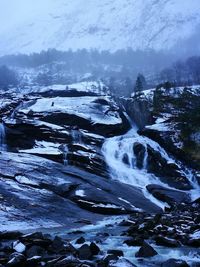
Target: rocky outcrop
point(62, 127)
point(171, 118)
point(139, 108)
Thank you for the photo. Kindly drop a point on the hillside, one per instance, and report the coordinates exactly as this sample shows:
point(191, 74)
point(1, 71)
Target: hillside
point(106, 25)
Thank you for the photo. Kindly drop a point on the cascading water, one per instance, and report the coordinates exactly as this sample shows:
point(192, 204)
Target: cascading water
point(3, 145)
point(119, 154)
point(65, 150)
point(76, 136)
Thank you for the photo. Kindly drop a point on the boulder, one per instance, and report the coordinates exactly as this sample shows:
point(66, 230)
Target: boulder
point(16, 260)
point(146, 251)
point(94, 249)
point(134, 242)
point(10, 235)
point(84, 252)
point(167, 242)
point(174, 263)
point(80, 240)
point(35, 251)
point(139, 151)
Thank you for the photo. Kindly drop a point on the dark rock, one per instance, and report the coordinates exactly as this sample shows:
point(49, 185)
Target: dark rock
point(94, 249)
point(170, 196)
point(134, 242)
point(174, 263)
point(125, 159)
point(80, 240)
point(34, 261)
point(167, 172)
point(10, 235)
point(64, 262)
point(110, 257)
point(36, 235)
point(125, 223)
point(101, 263)
point(194, 242)
point(146, 251)
point(84, 252)
point(167, 242)
point(139, 151)
point(35, 251)
point(16, 260)
point(58, 244)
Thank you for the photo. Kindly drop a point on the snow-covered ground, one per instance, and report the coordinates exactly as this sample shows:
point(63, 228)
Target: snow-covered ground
point(84, 107)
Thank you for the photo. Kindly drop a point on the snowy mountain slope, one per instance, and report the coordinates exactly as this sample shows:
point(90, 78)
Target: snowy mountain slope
point(32, 26)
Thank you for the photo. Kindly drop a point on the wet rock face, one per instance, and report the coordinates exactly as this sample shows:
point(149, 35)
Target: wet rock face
point(37, 192)
point(139, 108)
point(169, 173)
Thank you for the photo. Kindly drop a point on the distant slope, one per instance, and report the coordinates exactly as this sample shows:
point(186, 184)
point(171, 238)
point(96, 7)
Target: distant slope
point(31, 26)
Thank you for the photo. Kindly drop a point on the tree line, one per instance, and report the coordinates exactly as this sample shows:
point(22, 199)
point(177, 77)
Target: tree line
point(182, 73)
point(117, 70)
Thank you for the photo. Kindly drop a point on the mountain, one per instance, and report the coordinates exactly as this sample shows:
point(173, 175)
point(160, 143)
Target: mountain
point(32, 26)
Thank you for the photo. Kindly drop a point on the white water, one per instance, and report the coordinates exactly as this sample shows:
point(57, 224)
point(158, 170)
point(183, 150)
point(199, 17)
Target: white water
point(116, 148)
point(76, 136)
point(65, 153)
point(3, 146)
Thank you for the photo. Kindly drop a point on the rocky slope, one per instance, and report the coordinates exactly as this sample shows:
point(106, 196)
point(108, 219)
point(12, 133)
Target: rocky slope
point(32, 27)
point(71, 157)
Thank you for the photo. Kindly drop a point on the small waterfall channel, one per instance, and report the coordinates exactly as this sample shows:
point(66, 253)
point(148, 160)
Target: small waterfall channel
point(3, 146)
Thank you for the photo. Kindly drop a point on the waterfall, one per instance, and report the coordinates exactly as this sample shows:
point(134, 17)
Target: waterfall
point(65, 152)
point(3, 146)
point(76, 136)
point(122, 162)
